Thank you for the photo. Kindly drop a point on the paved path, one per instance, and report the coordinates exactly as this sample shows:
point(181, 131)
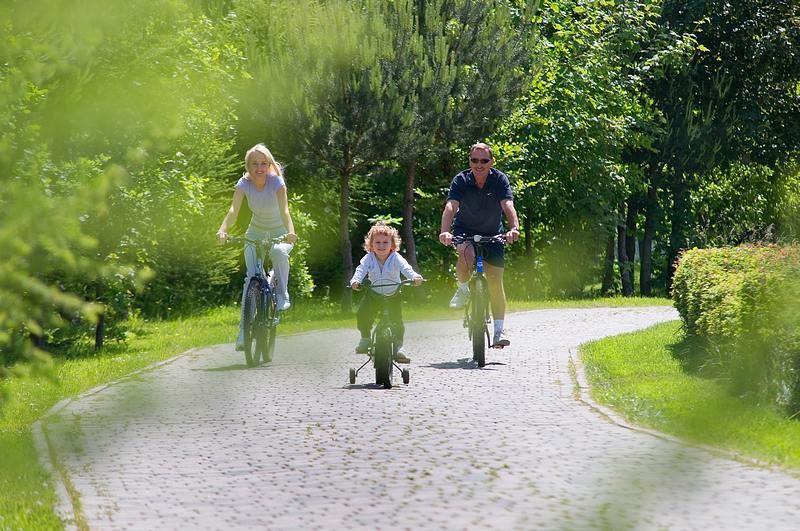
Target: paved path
point(203, 443)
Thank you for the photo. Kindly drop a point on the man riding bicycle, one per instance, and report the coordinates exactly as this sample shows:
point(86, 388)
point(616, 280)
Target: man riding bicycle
point(476, 203)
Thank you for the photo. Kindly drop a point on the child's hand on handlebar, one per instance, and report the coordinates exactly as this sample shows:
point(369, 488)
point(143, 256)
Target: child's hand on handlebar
point(222, 236)
point(418, 281)
point(356, 286)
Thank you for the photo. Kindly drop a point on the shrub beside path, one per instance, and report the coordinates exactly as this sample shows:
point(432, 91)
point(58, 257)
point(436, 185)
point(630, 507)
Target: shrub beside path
point(201, 442)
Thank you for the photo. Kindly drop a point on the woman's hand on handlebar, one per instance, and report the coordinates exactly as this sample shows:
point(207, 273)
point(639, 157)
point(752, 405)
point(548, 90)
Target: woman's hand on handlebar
point(290, 238)
point(222, 236)
point(446, 238)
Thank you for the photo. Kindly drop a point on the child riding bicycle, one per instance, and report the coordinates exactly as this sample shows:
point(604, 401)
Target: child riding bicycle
point(382, 265)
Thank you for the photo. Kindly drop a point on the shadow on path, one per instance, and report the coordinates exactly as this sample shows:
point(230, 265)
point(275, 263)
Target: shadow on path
point(463, 363)
point(234, 367)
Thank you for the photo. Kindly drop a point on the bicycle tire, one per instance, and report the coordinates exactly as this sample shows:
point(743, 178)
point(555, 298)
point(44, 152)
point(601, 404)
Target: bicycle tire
point(382, 358)
point(250, 317)
point(477, 322)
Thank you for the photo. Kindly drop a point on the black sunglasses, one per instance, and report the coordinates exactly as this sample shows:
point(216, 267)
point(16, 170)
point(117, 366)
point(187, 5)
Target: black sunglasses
point(482, 161)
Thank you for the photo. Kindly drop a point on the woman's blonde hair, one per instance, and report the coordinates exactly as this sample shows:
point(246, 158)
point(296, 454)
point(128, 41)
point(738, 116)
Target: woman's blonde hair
point(274, 166)
point(385, 230)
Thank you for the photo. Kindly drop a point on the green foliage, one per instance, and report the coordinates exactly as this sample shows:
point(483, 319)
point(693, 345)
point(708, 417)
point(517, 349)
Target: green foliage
point(114, 116)
point(742, 303)
point(564, 145)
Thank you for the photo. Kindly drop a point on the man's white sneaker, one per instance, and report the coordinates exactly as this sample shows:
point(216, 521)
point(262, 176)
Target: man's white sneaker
point(501, 339)
point(459, 298)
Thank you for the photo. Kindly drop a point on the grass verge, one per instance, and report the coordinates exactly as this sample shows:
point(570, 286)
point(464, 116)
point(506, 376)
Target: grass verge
point(27, 497)
point(639, 376)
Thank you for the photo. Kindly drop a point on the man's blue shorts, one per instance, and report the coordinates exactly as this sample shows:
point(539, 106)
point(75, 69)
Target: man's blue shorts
point(493, 252)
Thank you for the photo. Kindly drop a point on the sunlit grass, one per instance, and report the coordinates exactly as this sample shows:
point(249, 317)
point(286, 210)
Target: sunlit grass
point(637, 375)
point(26, 496)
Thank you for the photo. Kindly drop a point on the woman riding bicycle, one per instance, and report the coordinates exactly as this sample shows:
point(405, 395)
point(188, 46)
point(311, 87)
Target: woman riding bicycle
point(477, 200)
point(383, 265)
point(264, 186)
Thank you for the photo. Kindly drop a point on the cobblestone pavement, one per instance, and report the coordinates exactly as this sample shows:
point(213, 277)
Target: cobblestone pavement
point(202, 442)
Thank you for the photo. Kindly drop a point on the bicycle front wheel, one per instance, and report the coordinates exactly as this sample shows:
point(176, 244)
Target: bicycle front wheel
point(250, 318)
point(477, 321)
point(382, 358)
point(269, 328)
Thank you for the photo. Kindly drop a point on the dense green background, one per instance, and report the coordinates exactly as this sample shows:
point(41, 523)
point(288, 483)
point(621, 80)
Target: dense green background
point(631, 130)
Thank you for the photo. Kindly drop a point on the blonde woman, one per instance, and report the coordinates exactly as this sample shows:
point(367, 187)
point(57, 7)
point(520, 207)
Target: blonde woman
point(265, 189)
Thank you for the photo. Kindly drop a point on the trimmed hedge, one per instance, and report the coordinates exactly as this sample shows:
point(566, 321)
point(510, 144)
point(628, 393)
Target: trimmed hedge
point(743, 305)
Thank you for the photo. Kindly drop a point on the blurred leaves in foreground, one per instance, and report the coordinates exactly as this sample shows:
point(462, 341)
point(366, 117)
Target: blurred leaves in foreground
point(120, 142)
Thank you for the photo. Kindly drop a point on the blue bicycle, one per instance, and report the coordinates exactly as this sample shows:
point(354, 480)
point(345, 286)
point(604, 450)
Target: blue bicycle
point(259, 313)
point(477, 319)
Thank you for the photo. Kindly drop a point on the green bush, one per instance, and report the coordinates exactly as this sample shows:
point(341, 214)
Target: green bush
point(743, 304)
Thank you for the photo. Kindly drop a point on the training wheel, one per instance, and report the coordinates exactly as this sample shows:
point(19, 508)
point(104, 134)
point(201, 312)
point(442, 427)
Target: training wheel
point(352, 376)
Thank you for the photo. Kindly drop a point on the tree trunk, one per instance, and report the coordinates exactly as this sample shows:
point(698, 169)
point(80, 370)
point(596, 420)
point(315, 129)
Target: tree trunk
point(625, 273)
point(526, 228)
point(100, 328)
point(607, 284)
point(679, 221)
point(344, 238)
point(408, 214)
point(646, 248)
point(631, 220)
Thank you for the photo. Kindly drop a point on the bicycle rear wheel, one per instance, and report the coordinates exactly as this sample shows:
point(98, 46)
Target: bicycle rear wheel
point(477, 321)
point(250, 320)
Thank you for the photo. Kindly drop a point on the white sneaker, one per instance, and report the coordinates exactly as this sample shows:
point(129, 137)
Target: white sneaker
point(283, 303)
point(363, 345)
point(501, 339)
point(239, 347)
point(459, 298)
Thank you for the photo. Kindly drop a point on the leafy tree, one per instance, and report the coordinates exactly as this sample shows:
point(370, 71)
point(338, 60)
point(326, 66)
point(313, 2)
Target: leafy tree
point(735, 100)
point(463, 64)
point(345, 114)
point(564, 145)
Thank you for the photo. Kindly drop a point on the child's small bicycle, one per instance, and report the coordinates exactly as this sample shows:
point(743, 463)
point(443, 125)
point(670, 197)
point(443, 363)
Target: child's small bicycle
point(382, 349)
point(476, 311)
point(259, 313)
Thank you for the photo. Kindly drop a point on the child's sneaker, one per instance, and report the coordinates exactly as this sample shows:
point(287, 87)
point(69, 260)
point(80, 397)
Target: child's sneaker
point(363, 345)
point(400, 356)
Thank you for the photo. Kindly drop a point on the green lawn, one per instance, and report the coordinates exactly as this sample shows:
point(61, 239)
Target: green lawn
point(26, 494)
point(637, 375)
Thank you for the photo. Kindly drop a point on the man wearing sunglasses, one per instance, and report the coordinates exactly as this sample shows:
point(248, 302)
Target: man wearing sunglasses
point(476, 203)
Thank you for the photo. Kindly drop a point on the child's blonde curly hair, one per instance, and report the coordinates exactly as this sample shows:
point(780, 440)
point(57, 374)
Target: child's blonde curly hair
point(385, 230)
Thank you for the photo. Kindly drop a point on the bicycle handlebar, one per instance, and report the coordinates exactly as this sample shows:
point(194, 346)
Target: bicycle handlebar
point(477, 238)
point(366, 283)
point(241, 239)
